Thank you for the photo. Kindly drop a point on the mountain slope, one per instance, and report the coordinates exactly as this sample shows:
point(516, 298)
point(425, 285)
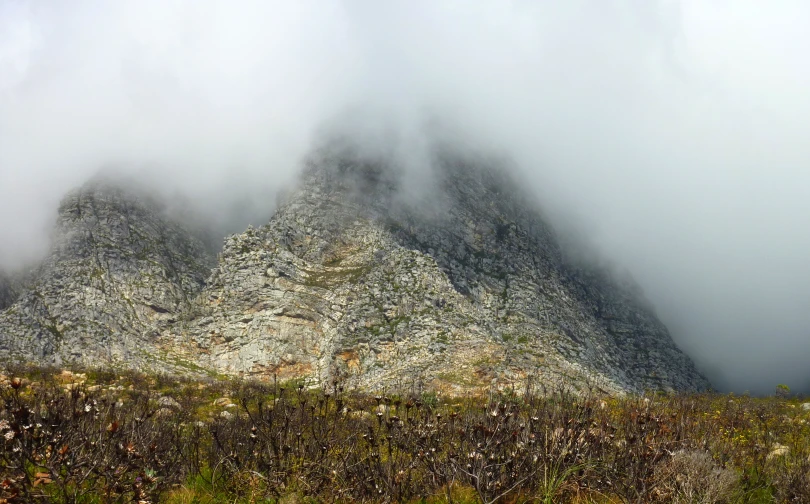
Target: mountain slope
point(116, 270)
point(462, 289)
point(459, 288)
point(9, 290)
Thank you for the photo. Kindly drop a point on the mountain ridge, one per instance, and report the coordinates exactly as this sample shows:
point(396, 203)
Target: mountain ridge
point(112, 272)
point(459, 290)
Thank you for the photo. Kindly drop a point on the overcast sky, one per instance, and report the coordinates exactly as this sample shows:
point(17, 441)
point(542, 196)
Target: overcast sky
point(675, 133)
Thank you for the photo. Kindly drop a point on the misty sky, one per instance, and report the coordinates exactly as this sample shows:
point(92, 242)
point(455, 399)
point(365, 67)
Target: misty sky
point(674, 134)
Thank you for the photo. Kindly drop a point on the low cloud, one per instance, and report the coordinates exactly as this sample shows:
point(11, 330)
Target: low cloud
point(670, 132)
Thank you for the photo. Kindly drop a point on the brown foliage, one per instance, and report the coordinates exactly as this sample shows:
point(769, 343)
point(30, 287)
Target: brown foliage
point(60, 445)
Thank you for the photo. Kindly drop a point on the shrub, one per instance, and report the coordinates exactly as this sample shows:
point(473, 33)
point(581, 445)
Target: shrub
point(692, 477)
point(116, 438)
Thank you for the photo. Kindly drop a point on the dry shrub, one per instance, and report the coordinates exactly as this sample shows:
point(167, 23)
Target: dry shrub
point(792, 481)
point(692, 477)
point(120, 442)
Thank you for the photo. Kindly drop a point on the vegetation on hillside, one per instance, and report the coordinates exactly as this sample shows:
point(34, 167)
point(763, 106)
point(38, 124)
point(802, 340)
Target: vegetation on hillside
point(99, 437)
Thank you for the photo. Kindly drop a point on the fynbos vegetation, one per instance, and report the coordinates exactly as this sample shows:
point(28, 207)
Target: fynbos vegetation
point(102, 437)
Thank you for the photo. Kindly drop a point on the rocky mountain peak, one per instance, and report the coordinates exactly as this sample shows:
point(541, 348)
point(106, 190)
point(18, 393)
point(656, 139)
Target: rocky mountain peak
point(8, 290)
point(117, 267)
point(460, 289)
point(459, 286)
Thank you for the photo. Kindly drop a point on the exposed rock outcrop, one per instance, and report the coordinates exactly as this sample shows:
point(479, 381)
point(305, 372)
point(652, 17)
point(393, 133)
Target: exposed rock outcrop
point(458, 290)
point(463, 289)
point(9, 290)
point(116, 271)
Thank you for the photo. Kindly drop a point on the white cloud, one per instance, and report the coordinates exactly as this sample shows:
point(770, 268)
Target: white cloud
point(674, 130)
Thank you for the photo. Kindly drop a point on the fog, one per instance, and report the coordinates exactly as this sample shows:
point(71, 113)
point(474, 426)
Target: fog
point(672, 134)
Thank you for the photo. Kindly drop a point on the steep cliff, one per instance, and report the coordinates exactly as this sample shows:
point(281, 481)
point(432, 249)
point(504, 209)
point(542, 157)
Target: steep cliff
point(459, 289)
point(117, 270)
point(9, 290)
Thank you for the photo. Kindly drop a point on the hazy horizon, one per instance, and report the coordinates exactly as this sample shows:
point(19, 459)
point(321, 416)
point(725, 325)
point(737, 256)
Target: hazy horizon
point(670, 133)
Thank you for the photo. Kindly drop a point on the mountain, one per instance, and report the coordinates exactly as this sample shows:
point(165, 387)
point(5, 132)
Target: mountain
point(117, 269)
point(9, 290)
point(456, 288)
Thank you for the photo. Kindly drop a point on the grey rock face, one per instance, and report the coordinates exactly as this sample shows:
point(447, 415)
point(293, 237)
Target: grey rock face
point(458, 290)
point(117, 270)
point(169, 402)
point(9, 290)
point(461, 290)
